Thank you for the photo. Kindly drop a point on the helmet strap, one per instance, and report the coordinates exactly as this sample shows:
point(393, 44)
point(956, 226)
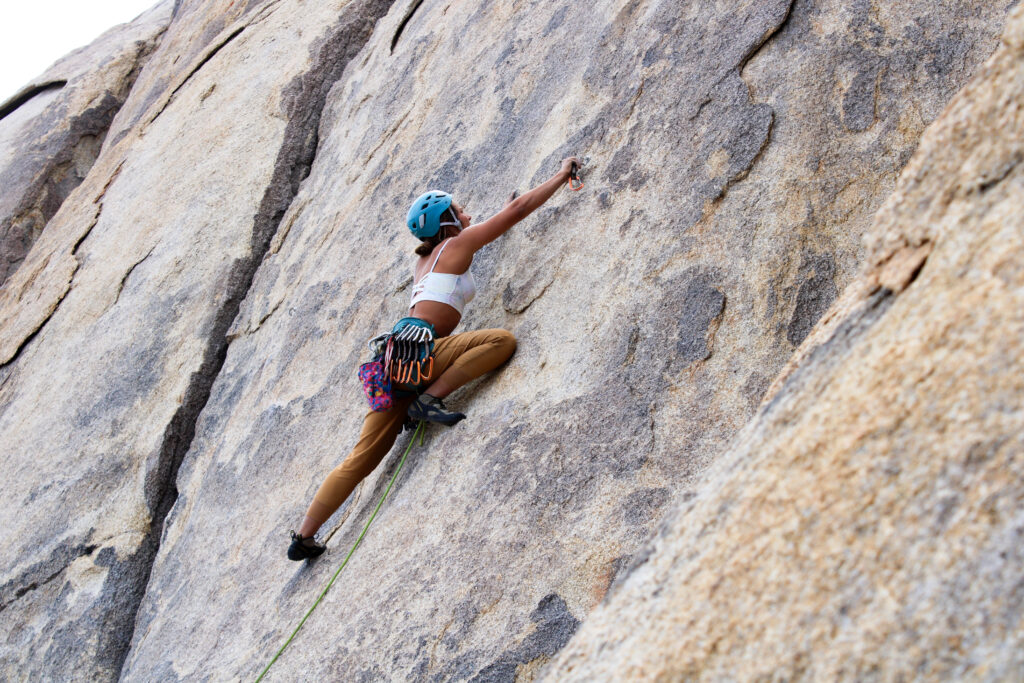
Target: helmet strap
point(456, 223)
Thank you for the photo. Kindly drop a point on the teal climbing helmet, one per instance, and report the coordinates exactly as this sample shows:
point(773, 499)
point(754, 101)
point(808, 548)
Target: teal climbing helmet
point(424, 219)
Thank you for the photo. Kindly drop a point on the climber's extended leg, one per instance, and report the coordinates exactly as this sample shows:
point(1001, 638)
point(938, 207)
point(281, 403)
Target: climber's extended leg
point(375, 440)
point(457, 360)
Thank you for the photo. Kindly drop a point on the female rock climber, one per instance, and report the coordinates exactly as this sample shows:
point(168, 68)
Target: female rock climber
point(442, 287)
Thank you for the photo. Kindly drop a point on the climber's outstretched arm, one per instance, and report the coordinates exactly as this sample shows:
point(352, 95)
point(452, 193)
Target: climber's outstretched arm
point(470, 240)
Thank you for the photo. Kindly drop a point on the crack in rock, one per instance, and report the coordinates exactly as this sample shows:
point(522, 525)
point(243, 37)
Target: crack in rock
point(24, 96)
point(71, 155)
point(128, 274)
point(405, 20)
point(771, 32)
point(304, 101)
point(12, 357)
point(210, 54)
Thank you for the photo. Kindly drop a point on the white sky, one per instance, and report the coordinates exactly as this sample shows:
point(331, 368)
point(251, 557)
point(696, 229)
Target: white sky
point(36, 33)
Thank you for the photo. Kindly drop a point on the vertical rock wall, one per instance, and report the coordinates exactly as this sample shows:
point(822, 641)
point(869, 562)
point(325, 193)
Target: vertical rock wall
point(736, 155)
point(868, 523)
point(114, 327)
point(643, 306)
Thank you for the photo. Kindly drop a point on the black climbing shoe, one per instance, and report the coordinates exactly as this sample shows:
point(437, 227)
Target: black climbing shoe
point(431, 409)
point(304, 548)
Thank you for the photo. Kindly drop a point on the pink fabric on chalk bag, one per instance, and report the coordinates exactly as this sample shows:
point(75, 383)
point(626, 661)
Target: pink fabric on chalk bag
point(376, 385)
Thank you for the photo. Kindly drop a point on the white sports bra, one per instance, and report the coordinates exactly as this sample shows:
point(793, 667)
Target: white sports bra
point(447, 288)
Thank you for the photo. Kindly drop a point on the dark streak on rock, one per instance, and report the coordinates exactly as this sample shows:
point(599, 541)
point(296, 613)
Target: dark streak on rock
point(765, 137)
point(42, 573)
point(556, 20)
point(555, 626)
point(631, 344)
point(859, 101)
point(759, 126)
point(635, 99)
point(303, 101)
point(702, 304)
point(624, 170)
point(817, 292)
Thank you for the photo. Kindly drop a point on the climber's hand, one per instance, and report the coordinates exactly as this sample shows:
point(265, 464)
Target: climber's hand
point(567, 166)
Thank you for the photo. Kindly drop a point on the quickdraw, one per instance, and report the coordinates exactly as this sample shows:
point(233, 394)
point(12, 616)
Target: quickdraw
point(574, 175)
point(408, 351)
point(402, 356)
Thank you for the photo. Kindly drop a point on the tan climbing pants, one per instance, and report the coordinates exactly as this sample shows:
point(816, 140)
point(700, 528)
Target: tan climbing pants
point(457, 359)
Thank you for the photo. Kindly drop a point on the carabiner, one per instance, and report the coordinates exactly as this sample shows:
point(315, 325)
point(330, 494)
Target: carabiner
point(574, 174)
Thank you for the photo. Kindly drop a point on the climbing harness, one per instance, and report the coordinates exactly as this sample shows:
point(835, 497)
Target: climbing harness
point(404, 355)
point(574, 175)
point(419, 433)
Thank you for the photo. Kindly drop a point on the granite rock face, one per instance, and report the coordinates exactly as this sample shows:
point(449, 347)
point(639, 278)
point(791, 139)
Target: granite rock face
point(51, 130)
point(114, 327)
point(643, 327)
point(202, 300)
point(868, 523)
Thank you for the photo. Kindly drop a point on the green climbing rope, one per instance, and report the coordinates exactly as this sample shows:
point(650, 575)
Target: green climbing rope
point(418, 432)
